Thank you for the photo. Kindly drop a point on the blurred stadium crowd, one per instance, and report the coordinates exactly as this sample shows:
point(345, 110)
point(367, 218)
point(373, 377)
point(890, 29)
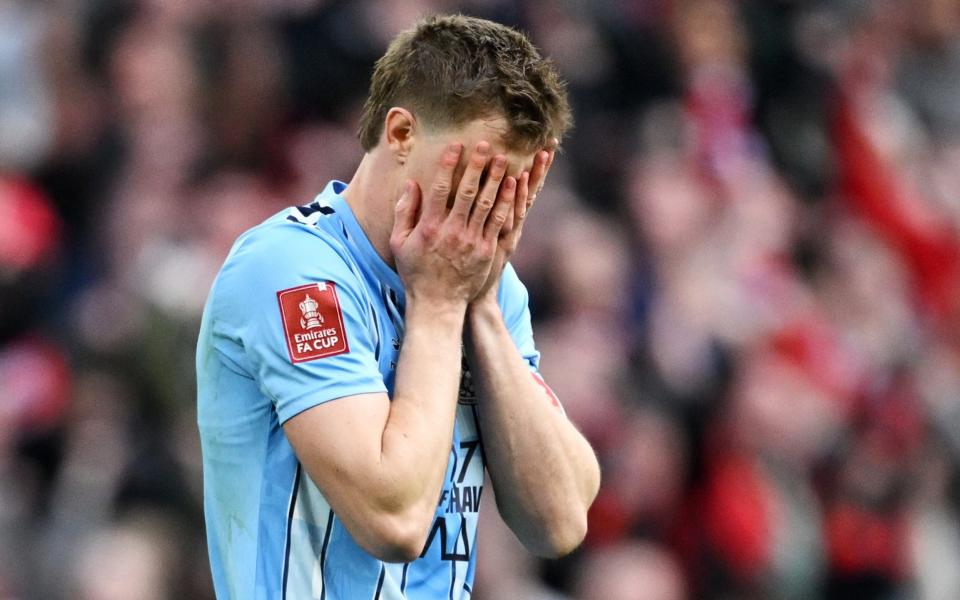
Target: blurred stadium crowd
point(744, 272)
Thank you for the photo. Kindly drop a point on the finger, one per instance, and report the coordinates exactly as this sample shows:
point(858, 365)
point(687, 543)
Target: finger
point(488, 196)
point(523, 190)
point(435, 205)
point(539, 176)
point(539, 172)
point(470, 183)
point(500, 210)
point(552, 149)
point(511, 223)
point(405, 212)
point(519, 208)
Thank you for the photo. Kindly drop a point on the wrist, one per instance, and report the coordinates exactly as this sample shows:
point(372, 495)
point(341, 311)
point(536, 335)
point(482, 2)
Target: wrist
point(484, 310)
point(487, 298)
point(441, 309)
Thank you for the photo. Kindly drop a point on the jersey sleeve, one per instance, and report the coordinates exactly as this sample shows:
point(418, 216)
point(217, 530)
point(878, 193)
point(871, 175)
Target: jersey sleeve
point(515, 307)
point(297, 307)
point(514, 304)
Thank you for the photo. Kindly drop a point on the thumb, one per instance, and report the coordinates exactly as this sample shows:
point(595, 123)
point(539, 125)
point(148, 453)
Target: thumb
point(405, 212)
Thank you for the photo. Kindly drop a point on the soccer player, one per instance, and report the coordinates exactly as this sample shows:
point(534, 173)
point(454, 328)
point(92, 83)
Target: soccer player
point(363, 359)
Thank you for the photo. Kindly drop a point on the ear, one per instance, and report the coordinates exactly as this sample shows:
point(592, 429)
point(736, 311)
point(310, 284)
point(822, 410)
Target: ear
point(400, 129)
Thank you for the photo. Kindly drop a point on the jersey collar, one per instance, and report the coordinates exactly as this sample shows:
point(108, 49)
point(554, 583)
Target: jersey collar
point(331, 196)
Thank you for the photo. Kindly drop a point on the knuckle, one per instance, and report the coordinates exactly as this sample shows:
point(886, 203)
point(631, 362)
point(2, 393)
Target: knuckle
point(448, 238)
point(467, 241)
point(429, 230)
point(440, 187)
point(468, 189)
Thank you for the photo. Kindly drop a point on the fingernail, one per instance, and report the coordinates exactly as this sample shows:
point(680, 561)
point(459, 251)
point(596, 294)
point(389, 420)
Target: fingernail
point(500, 161)
point(455, 147)
point(483, 147)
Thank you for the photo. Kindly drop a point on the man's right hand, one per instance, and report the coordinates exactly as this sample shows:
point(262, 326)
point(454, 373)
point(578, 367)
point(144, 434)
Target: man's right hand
point(447, 254)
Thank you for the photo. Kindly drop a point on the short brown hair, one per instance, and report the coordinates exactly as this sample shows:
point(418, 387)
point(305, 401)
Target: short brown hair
point(449, 70)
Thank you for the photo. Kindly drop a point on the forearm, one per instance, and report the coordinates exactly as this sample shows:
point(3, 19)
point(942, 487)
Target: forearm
point(544, 472)
point(416, 437)
point(380, 461)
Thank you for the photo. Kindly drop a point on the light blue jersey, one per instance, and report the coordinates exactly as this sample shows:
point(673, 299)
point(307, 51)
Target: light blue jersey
point(305, 311)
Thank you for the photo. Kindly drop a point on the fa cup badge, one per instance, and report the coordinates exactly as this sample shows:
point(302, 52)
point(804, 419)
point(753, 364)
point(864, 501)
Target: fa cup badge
point(311, 318)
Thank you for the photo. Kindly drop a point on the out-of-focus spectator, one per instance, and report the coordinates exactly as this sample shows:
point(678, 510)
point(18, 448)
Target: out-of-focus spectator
point(26, 114)
point(631, 571)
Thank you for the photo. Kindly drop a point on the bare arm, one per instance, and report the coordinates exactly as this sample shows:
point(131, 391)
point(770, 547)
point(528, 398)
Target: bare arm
point(544, 472)
point(380, 463)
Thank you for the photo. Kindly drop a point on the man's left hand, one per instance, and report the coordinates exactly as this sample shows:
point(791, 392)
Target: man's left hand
point(529, 185)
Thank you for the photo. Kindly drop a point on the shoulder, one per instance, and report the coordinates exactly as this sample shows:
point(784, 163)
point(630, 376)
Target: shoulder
point(512, 295)
point(279, 255)
point(281, 251)
point(515, 307)
point(280, 243)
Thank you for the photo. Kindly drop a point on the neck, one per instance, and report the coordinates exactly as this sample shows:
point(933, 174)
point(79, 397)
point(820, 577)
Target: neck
point(371, 195)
